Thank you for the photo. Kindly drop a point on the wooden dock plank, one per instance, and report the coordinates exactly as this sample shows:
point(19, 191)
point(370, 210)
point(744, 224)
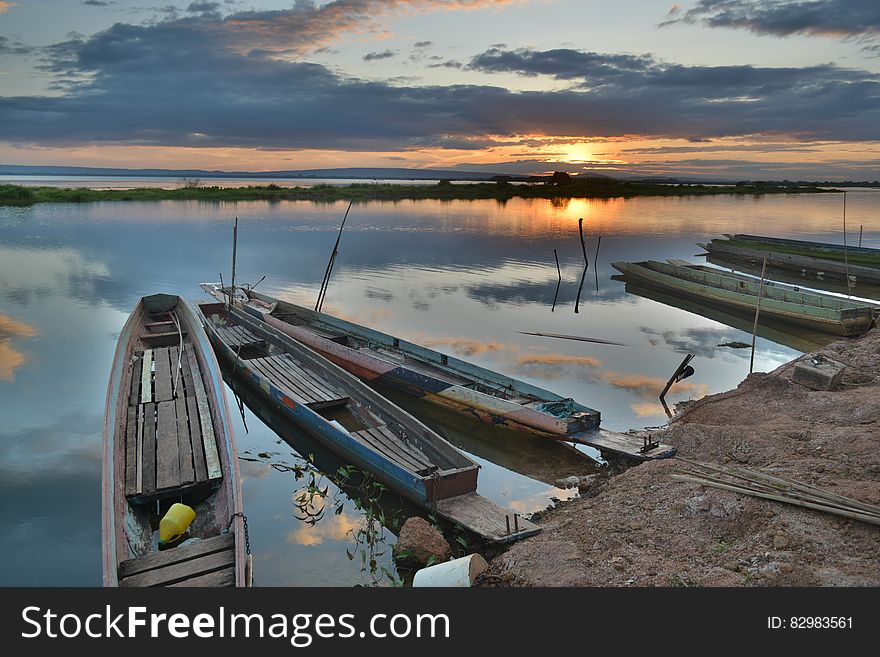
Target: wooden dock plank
point(178, 572)
point(209, 439)
point(176, 555)
point(621, 443)
point(184, 440)
point(131, 450)
point(148, 454)
point(162, 379)
point(167, 446)
point(485, 518)
point(147, 377)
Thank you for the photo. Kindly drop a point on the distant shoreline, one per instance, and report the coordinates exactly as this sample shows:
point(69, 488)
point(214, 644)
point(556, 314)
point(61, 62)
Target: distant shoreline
point(19, 195)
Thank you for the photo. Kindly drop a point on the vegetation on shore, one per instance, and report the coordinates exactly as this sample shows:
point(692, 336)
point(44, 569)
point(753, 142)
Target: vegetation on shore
point(500, 190)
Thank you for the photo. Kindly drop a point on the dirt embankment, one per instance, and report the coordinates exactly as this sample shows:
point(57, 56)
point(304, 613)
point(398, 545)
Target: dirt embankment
point(641, 528)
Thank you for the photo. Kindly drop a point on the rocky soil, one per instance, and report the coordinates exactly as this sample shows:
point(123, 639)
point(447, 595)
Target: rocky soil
point(641, 528)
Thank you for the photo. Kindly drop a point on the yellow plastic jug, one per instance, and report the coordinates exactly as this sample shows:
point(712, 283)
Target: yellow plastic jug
point(175, 523)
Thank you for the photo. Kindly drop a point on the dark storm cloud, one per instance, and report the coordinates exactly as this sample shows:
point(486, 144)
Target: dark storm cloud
point(841, 18)
point(189, 82)
point(97, 3)
point(379, 54)
point(10, 47)
point(203, 7)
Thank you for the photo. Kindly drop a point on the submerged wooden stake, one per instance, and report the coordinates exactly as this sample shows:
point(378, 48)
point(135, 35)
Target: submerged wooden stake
point(757, 313)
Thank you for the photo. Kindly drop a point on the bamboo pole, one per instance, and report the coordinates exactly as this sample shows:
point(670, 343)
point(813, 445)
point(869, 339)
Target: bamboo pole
point(326, 281)
point(234, 249)
point(757, 313)
point(845, 258)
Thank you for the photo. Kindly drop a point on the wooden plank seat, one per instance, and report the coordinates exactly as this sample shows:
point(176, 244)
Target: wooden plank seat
point(385, 441)
point(238, 336)
point(170, 445)
point(208, 562)
point(298, 383)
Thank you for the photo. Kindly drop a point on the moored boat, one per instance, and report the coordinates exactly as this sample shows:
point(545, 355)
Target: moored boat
point(168, 439)
point(489, 396)
point(356, 422)
point(832, 261)
point(823, 312)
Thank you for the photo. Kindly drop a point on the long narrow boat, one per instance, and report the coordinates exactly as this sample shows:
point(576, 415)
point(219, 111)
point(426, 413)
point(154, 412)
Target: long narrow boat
point(833, 261)
point(467, 388)
point(823, 312)
point(167, 439)
point(356, 422)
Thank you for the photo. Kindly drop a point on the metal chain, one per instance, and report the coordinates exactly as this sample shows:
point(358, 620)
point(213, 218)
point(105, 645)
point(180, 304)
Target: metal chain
point(247, 538)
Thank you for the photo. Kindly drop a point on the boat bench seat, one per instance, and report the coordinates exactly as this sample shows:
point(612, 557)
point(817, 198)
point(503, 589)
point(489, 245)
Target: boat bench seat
point(296, 382)
point(207, 562)
point(170, 444)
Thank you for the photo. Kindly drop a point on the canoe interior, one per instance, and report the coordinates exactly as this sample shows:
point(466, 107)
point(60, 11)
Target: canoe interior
point(442, 379)
point(168, 440)
point(333, 405)
point(860, 255)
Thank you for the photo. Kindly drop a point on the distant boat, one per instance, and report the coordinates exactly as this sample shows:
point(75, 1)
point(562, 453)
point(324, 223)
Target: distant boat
point(356, 422)
point(824, 312)
point(457, 384)
point(167, 439)
point(818, 259)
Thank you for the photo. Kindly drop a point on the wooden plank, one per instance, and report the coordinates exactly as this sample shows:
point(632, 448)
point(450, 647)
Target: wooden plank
point(209, 439)
point(149, 450)
point(181, 571)
point(400, 458)
point(200, 470)
point(136, 373)
point(131, 450)
point(162, 379)
point(485, 518)
point(167, 447)
point(147, 377)
point(184, 440)
point(410, 448)
point(310, 378)
point(139, 487)
point(225, 577)
point(176, 555)
point(621, 443)
point(301, 392)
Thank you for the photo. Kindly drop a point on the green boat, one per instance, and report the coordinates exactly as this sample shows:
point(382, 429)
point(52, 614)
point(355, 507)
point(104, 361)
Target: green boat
point(823, 312)
point(831, 261)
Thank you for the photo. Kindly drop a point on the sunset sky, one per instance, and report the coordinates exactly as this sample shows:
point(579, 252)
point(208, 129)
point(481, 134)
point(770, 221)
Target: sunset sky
point(729, 89)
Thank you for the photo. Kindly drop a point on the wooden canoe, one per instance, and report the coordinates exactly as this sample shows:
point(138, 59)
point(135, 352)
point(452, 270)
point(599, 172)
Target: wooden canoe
point(823, 312)
point(168, 438)
point(362, 427)
point(817, 259)
point(491, 397)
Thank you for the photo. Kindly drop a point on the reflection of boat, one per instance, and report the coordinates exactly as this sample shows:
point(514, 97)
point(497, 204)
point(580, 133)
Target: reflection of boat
point(802, 341)
point(467, 388)
point(543, 460)
point(796, 278)
point(810, 258)
point(317, 453)
point(822, 312)
point(167, 438)
point(360, 425)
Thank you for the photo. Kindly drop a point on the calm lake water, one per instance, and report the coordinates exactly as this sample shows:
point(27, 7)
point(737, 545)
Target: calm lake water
point(463, 277)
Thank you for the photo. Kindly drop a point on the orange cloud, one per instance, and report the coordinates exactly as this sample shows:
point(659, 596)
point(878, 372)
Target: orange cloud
point(464, 346)
point(553, 366)
point(651, 386)
point(6, 6)
point(11, 358)
point(333, 528)
point(648, 409)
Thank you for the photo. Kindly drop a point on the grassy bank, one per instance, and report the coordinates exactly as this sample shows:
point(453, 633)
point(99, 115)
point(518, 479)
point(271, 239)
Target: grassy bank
point(591, 188)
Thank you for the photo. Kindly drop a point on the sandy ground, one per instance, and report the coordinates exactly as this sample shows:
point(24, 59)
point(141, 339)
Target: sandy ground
point(641, 528)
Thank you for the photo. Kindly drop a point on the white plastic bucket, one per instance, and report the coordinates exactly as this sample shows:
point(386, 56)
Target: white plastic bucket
point(458, 572)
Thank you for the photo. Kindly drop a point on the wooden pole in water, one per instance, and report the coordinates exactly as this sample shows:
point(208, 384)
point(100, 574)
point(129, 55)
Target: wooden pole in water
point(583, 246)
point(845, 259)
point(558, 270)
point(558, 281)
point(234, 248)
point(757, 313)
point(326, 282)
point(596, 262)
point(861, 226)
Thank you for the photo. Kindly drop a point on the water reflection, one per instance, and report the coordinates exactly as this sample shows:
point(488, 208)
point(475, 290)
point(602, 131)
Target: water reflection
point(463, 277)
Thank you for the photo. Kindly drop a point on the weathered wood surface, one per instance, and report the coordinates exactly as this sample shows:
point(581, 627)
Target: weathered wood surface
point(167, 446)
point(200, 469)
point(148, 480)
point(622, 443)
point(209, 440)
point(131, 450)
point(184, 440)
point(162, 380)
point(485, 518)
point(147, 376)
point(180, 564)
point(220, 578)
